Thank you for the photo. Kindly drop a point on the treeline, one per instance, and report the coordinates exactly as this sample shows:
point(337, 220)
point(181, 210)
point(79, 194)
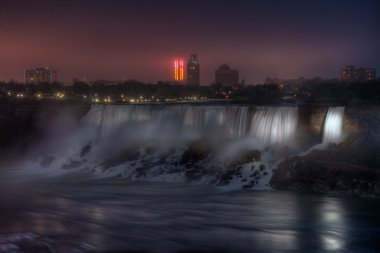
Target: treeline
point(330, 91)
point(314, 90)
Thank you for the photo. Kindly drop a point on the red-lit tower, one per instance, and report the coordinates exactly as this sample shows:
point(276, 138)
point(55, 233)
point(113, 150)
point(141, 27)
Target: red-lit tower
point(179, 70)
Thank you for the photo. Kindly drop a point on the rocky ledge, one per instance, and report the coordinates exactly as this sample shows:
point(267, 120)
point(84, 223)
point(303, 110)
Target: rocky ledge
point(330, 170)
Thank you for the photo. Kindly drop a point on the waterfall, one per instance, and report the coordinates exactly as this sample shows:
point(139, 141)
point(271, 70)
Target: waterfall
point(275, 125)
point(107, 118)
point(332, 132)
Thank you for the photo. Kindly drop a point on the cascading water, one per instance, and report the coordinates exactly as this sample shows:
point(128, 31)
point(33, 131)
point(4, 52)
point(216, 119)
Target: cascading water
point(275, 125)
point(223, 134)
point(199, 143)
point(332, 132)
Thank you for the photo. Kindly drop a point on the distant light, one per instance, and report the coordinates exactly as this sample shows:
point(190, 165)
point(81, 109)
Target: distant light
point(178, 69)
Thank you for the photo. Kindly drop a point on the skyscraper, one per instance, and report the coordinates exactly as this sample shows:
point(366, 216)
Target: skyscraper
point(179, 70)
point(193, 68)
point(226, 76)
point(40, 75)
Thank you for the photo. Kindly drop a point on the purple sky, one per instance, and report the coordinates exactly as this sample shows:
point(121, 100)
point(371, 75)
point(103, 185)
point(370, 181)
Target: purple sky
point(117, 39)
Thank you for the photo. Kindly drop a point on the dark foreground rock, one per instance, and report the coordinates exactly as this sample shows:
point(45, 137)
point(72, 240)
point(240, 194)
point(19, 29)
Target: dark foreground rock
point(351, 167)
point(325, 171)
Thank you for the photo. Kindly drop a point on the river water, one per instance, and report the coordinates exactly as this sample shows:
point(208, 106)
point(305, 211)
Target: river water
point(112, 215)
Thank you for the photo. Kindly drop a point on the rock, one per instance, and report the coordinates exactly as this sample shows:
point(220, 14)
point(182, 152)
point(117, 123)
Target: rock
point(247, 186)
point(72, 165)
point(123, 157)
point(141, 172)
point(245, 157)
point(226, 178)
point(319, 171)
point(150, 150)
point(196, 152)
point(46, 161)
point(195, 173)
point(85, 150)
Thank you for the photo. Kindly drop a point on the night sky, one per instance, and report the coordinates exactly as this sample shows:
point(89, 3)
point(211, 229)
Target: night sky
point(115, 40)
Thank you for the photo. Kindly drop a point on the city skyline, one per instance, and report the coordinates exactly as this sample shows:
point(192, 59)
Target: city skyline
point(103, 41)
point(176, 74)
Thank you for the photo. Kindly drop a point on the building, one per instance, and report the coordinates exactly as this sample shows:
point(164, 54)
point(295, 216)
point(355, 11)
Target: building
point(40, 75)
point(352, 74)
point(287, 86)
point(179, 72)
point(226, 76)
point(193, 71)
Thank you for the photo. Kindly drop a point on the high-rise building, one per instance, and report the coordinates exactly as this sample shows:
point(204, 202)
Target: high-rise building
point(193, 69)
point(226, 76)
point(179, 71)
point(352, 74)
point(40, 75)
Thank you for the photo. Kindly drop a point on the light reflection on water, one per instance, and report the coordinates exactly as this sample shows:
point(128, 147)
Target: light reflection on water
point(333, 215)
point(113, 215)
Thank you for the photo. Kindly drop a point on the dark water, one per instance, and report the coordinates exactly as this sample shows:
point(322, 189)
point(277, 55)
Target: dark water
point(113, 215)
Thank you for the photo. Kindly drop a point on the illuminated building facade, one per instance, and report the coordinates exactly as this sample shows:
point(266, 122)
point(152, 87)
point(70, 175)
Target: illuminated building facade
point(193, 68)
point(352, 74)
point(226, 76)
point(40, 75)
point(179, 71)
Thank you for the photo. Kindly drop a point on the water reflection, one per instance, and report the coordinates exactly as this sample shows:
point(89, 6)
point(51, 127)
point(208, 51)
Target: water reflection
point(169, 218)
point(334, 224)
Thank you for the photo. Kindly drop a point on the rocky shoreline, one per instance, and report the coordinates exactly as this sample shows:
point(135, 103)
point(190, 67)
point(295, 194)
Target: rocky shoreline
point(352, 167)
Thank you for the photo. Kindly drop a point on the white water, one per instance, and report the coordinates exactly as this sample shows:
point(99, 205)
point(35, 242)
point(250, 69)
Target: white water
point(151, 141)
point(272, 125)
point(275, 125)
point(332, 132)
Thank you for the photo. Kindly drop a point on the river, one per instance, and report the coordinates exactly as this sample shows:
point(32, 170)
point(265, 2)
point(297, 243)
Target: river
point(88, 214)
